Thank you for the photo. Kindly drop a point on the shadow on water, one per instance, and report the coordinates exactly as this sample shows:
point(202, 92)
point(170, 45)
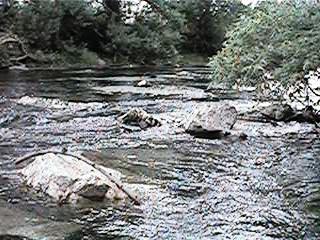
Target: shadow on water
point(262, 188)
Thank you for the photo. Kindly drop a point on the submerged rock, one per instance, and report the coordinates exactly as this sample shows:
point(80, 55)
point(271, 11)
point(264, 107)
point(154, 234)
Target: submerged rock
point(68, 179)
point(212, 121)
point(139, 117)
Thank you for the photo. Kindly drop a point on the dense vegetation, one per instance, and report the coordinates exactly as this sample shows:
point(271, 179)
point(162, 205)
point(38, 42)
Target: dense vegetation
point(278, 41)
point(83, 32)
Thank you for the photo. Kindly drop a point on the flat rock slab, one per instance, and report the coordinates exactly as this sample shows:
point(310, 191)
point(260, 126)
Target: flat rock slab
point(68, 179)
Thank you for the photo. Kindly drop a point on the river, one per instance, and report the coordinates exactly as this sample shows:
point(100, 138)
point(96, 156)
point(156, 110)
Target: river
point(267, 187)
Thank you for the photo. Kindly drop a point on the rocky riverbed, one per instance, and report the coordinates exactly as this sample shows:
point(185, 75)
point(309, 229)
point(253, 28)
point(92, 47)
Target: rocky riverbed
point(265, 187)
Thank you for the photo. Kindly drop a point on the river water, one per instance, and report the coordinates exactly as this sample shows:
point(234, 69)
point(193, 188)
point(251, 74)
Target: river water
point(267, 187)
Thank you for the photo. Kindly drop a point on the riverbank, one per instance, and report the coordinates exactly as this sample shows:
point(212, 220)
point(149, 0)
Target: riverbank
point(98, 63)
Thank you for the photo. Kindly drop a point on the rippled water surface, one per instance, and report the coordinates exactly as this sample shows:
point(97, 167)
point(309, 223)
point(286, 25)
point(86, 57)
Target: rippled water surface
point(261, 188)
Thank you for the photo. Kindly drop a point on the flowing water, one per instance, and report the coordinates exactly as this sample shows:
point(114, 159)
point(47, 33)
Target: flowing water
point(261, 188)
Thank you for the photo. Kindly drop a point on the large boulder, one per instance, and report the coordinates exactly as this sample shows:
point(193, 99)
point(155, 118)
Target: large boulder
point(212, 121)
point(69, 179)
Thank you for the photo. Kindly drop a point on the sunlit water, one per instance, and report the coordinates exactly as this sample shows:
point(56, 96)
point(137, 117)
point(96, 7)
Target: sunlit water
point(262, 188)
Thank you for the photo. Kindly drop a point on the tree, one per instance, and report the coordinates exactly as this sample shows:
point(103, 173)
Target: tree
point(277, 41)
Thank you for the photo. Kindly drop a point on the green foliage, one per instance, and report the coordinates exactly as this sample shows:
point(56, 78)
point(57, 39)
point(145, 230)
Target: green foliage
point(205, 23)
point(70, 28)
point(75, 56)
point(160, 32)
point(45, 24)
point(145, 40)
point(277, 39)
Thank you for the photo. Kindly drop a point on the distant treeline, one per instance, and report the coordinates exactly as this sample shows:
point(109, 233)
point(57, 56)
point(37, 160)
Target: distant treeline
point(84, 32)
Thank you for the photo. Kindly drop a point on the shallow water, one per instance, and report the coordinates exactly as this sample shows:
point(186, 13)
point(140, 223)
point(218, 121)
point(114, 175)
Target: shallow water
point(262, 188)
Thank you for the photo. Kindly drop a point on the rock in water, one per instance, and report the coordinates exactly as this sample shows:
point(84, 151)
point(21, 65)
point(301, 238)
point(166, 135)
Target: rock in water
point(68, 179)
point(278, 112)
point(286, 113)
point(212, 121)
point(143, 83)
point(139, 117)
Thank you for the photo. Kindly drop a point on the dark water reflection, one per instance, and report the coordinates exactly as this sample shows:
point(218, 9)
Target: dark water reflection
point(263, 188)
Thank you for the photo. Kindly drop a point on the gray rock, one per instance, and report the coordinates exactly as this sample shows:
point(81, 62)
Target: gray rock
point(278, 112)
point(68, 179)
point(212, 121)
point(139, 117)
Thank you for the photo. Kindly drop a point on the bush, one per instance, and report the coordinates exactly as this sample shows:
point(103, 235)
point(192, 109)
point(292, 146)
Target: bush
point(146, 40)
point(280, 40)
point(47, 25)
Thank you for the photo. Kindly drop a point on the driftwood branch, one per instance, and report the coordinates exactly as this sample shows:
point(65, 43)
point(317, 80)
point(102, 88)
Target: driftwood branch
point(11, 38)
point(313, 91)
point(6, 40)
point(18, 59)
point(115, 181)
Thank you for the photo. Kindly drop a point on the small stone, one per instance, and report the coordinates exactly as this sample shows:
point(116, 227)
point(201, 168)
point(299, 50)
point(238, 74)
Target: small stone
point(143, 83)
point(243, 136)
point(260, 161)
